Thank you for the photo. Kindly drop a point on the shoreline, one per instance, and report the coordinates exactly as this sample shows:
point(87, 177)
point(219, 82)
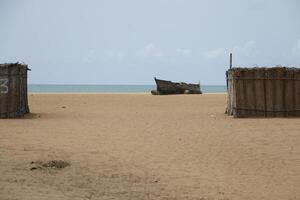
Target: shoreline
point(125, 93)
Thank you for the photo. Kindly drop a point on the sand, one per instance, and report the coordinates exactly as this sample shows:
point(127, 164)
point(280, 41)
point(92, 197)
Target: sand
point(138, 146)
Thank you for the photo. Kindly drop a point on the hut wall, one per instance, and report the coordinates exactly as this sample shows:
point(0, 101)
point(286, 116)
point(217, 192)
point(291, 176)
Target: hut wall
point(13, 90)
point(263, 92)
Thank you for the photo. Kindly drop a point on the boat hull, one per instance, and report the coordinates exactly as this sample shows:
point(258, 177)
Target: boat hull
point(169, 87)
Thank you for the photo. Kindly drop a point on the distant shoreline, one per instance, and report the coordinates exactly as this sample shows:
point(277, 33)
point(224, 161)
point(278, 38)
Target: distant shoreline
point(120, 93)
point(37, 88)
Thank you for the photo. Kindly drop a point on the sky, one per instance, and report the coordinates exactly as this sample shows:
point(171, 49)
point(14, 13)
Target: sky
point(132, 41)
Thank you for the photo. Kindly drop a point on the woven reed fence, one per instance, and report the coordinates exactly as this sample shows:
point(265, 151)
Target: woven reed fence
point(263, 92)
point(13, 90)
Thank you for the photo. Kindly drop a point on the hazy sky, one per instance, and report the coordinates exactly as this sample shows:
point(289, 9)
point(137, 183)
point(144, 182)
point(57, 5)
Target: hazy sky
point(131, 41)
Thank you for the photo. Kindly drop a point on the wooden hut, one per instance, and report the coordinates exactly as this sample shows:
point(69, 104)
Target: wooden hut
point(13, 90)
point(263, 92)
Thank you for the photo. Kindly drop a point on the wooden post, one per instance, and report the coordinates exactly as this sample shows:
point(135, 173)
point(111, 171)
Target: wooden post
point(227, 86)
point(230, 60)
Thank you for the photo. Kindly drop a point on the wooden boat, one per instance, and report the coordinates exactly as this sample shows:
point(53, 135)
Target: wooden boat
point(169, 87)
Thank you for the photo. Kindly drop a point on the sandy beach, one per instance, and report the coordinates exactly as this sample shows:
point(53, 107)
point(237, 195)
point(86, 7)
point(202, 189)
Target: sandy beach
point(139, 146)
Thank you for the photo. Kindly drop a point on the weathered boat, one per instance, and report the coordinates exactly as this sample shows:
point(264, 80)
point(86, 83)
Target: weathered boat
point(164, 87)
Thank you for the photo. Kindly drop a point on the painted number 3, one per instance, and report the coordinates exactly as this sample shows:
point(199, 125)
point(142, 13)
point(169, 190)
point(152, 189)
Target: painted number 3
point(3, 85)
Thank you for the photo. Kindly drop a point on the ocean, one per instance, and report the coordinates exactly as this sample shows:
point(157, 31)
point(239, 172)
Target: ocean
point(110, 88)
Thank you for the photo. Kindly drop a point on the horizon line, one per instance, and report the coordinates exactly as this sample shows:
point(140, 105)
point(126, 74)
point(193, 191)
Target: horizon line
point(84, 84)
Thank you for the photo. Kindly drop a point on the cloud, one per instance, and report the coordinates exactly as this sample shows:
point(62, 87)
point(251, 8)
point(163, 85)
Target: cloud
point(149, 51)
point(247, 54)
point(292, 56)
point(214, 54)
point(296, 49)
point(91, 56)
point(246, 50)
point(244, 53)
point(183, 52)
point(113, 56)
point(120, 56)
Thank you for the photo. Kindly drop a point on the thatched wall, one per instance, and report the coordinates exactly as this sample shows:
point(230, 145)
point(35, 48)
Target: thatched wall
point(263, 92)
point(13, 90)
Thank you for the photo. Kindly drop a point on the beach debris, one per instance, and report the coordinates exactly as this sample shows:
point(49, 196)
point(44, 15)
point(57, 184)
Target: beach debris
point(64, 107)
point(168, 87)
point(52, 164)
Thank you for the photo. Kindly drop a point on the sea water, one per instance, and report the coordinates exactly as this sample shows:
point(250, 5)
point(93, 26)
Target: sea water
point(111, 88)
